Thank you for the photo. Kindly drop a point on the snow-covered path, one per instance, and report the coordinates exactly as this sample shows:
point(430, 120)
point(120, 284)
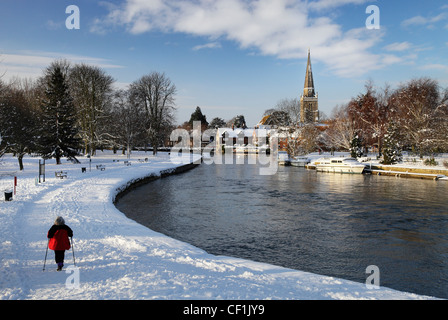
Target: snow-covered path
point(121, 259)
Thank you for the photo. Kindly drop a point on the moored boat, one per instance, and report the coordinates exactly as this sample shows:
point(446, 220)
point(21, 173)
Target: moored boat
point(340, 165)
point(283, 158)
point(299, 161)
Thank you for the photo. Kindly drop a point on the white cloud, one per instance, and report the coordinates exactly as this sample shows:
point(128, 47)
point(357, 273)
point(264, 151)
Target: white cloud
point(54, 25)
point(421, 21)
point(414, 21)
point(281, 28)
point(435, 66)
point(30, 64)
point(438, 18)
point(389, 59)
point(210, 45)
point(330, 4)
point(398, 46)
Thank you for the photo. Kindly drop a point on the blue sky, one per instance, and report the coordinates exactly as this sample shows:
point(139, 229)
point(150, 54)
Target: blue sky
point(233, 57)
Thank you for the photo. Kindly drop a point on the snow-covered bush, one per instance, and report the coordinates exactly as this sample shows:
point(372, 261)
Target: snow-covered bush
point(391, 146)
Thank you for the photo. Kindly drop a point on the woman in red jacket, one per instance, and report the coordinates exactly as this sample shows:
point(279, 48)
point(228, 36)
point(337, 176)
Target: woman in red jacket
point(59, 242)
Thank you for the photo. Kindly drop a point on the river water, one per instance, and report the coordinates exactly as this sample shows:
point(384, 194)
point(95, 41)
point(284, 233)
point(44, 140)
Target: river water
point(329, 224)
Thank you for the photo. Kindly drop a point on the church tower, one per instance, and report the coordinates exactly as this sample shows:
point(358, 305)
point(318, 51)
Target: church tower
point(309, 109)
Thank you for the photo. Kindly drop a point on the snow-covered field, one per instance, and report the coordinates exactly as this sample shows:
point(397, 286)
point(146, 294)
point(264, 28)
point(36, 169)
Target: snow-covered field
point(121, 259)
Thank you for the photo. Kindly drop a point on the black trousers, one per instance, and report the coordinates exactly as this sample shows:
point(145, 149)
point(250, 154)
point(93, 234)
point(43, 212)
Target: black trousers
point(59, 256)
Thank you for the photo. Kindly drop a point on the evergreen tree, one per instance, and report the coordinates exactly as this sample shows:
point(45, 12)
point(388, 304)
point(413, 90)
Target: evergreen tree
point(356, 147)
point(391, 145)
point(217, 123)
point(279, 118)
point(237, 122)
point(59, 136)
point(17, 120)
point(198, 116)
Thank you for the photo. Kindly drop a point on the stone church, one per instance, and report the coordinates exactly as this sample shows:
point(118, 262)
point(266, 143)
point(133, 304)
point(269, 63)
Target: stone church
point(309, 108)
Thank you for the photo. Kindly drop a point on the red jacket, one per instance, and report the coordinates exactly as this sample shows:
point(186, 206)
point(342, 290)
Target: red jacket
point(58, 235)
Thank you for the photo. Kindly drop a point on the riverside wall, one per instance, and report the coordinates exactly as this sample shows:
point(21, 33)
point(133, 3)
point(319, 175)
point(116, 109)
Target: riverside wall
point(148, 178)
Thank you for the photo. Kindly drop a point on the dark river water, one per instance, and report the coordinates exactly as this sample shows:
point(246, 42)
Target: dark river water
point(329, 224)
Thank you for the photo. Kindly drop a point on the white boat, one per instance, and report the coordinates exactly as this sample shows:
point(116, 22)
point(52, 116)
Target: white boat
point(299, 161)
point(283, 158)
point(340, 165)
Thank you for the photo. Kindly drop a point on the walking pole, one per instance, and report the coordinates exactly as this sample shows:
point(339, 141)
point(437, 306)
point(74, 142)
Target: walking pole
point(73, 251)
point(46, 252)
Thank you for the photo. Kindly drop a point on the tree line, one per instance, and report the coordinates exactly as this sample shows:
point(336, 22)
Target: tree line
point(236, 122)
point(73, 109)
point(412, 117)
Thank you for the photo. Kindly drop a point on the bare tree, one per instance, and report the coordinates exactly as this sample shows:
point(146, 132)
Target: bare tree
point(291, 107)
point(91, 89)
point(415, 104)
point(2, 147)
point(418, 108)
point(125, 124)
point(155, 94)
point(309, 138)
point(2, 125)
point(341, 130)
point(303, 140)
point(293, 143)
point(2, 74)
point(369, 114)
point(18, 119)
point(440, 126)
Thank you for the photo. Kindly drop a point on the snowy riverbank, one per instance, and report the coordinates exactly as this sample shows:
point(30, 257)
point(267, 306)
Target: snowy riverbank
point(121, 259)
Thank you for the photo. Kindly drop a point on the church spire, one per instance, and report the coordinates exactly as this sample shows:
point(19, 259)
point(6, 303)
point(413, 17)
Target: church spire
point(309, 105)
point(308, 89)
